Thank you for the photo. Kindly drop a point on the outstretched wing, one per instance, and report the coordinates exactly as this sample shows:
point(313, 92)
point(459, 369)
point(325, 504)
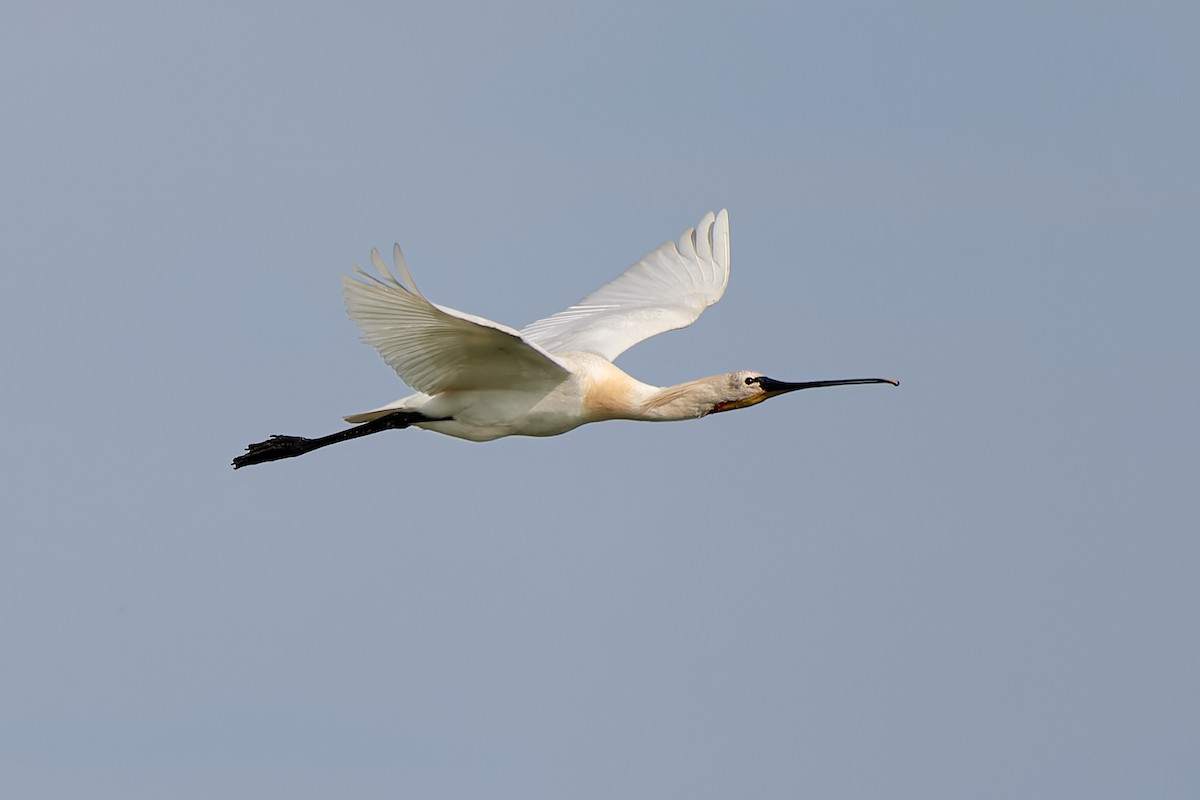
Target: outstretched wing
point(667, 289)
point(436, 349)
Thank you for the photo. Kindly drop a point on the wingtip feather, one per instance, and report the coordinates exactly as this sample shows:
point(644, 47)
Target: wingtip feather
point(405, 272)
point(704, 236)
point(720, 234)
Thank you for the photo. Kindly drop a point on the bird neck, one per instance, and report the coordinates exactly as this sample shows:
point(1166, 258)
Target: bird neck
point(683, 401)
point(610, 393)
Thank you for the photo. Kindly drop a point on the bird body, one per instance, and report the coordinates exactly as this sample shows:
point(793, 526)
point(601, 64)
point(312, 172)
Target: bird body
point(480, 380)
point(594, 391)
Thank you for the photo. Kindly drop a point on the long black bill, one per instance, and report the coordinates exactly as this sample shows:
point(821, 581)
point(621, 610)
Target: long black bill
point(774, 387)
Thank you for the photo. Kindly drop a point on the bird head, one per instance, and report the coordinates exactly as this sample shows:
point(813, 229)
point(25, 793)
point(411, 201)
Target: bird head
point(746, 388)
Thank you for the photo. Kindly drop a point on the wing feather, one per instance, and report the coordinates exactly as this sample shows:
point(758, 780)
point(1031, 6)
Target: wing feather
point(666, 290)
point(436, 349)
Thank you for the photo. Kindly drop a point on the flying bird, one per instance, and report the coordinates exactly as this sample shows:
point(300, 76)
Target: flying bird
point(479, 380)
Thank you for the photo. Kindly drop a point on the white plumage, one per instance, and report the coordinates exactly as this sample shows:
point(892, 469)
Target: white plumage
point(666, 290)
point(480, 380)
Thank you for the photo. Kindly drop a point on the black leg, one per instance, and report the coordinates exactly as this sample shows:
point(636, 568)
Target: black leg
point(278, 447)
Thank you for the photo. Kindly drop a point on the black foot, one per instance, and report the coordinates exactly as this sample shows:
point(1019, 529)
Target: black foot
point(273, 449)
point(278, 447)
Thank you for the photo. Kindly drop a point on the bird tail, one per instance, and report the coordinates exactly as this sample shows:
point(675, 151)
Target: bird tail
point(404, 404)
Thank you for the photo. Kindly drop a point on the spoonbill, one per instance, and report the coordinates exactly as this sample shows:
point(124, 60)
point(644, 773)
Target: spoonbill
point(479, 380)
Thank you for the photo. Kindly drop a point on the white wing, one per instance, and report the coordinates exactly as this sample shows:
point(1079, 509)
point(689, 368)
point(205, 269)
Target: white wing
point(436, 349)
point(667, 289)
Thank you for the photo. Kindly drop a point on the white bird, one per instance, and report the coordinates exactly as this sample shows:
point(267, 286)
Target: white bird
point(480, 380)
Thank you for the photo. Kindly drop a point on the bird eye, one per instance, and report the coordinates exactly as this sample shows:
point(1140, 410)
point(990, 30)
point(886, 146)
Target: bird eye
point(751, 381)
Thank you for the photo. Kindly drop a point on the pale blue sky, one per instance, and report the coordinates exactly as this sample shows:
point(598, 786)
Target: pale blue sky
point(981, 584)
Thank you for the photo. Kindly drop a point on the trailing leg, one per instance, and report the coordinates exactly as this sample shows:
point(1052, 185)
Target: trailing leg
point(278, 447)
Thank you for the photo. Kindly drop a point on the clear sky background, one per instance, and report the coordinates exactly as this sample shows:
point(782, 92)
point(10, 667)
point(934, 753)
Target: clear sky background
point(982, 584)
